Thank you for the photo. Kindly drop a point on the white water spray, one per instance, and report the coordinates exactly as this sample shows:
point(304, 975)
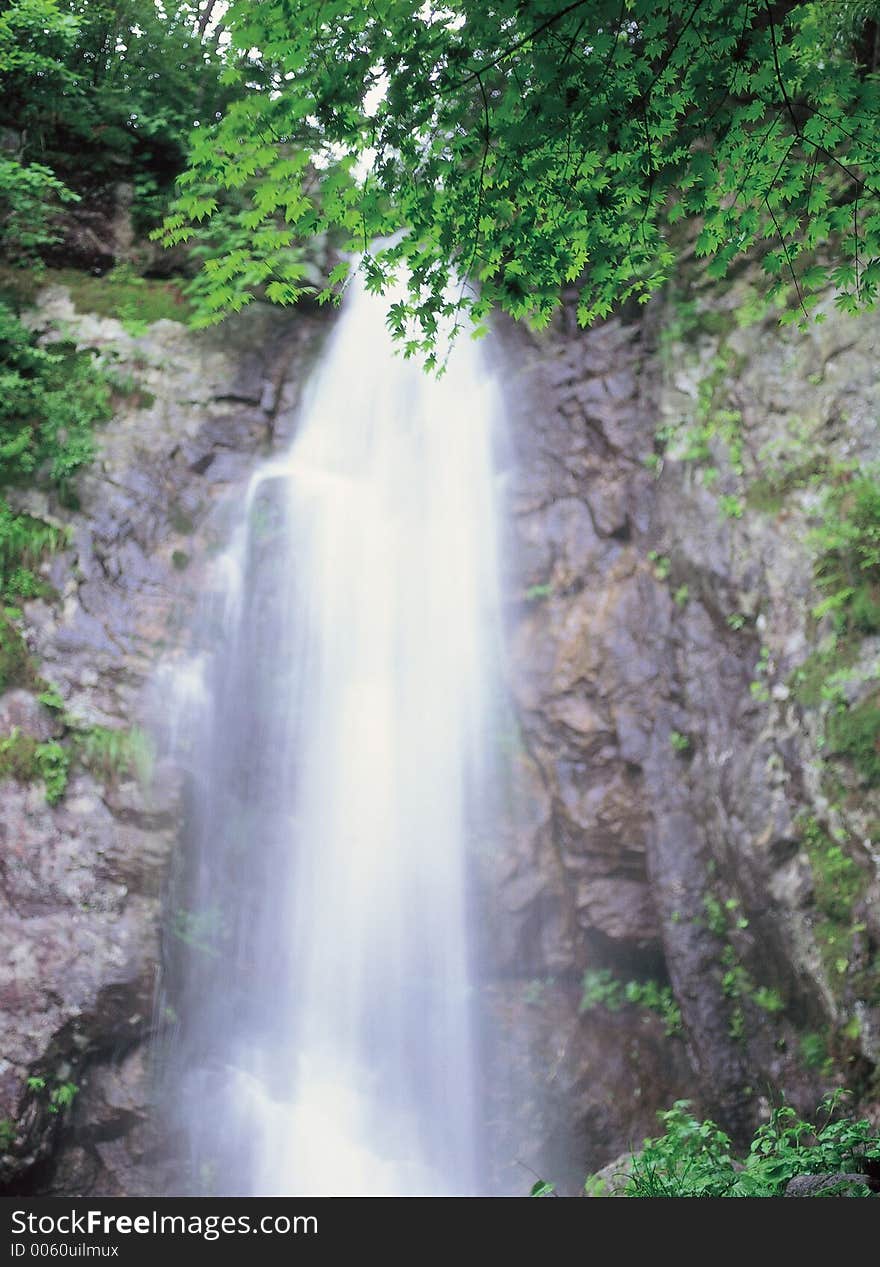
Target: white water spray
point(338, 760)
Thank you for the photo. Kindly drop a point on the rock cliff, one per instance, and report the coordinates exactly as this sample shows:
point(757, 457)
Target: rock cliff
point(82, 882)
point(682, 900)
point(696, 822)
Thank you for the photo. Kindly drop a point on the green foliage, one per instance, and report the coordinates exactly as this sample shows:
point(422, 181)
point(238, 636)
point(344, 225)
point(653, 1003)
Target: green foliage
point(715, 919)
point(526, 148)
point(847, 569)
point(759, 688)
point(24, 540)
point(113, 754)
point(60, 1096)
point(837, 880)
point(821, 675)
point(814, 1053)
point(695, 1158)
point(656, 998)
point(542, 1189)
point(16, 668)
point(7, 1134)
point(768, 999)
point(838, 883)
point(661, 563)
point(848, 548)
point(51, 697)
point(29, 193)
point(50, 399)
point(731, 507)
point(109, 754)
point(536, 592)
point(680, 743)
point(100, 91)
point(240, 259)
point(855, 733)
point(25, 759)
point(18, 757)
point(714, 428)
point(601, 988)
point(738, 984)
point(53, 764)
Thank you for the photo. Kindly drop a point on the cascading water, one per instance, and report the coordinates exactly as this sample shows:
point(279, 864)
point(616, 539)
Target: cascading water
point(337, 720)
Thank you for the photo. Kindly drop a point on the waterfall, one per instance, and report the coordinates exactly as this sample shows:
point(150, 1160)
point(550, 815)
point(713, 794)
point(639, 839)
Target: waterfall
point(337, 717)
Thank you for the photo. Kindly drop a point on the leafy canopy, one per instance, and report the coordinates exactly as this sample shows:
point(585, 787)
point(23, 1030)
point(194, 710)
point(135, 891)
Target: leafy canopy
point(529, 148)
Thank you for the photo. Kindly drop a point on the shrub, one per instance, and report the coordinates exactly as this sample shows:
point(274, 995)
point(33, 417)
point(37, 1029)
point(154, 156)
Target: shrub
point(29, 193)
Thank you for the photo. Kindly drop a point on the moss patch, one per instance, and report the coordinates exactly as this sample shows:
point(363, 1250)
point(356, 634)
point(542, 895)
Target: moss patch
point(769, 491)
point(837, 880)
point(121, 293)
point(16, 666)
point(848, 553)
point(135, 301)
point(838, 883)
point(816, 680)
point(855, 733)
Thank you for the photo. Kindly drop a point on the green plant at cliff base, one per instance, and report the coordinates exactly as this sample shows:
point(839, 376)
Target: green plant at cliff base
point(694, 1158)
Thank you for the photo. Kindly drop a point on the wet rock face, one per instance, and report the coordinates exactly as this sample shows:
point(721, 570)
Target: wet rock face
point(82, 882)
point(657, 612)
point(660, 765)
